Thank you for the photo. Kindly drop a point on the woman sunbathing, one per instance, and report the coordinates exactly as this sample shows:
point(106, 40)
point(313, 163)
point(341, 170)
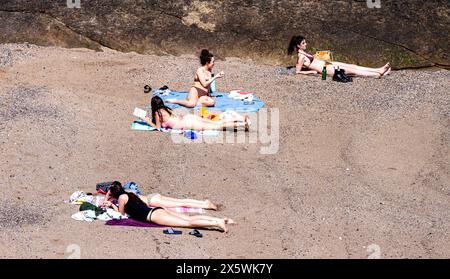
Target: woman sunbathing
point(199, 93)
point(137, 209)
point(307, 64)
point(162, 116)
point(154, 200)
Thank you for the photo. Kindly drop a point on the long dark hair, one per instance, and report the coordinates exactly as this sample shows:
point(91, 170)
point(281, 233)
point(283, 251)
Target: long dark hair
point(157, 104)
point(205, 57)
point(295, 41)
point(116, 190)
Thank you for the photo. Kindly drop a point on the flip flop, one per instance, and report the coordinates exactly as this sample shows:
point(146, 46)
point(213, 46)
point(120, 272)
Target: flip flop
point(386, 72)
point(196, 233)
point(171, 231)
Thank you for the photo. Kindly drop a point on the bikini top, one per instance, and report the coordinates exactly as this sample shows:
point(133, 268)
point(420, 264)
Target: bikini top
point(310, 57)
point(196, 79)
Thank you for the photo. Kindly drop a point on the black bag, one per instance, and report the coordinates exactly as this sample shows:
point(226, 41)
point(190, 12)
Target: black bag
point(340, 76)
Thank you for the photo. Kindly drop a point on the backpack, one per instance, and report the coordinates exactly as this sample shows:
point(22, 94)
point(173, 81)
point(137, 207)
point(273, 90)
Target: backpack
point(103, 187)
point(133, 187)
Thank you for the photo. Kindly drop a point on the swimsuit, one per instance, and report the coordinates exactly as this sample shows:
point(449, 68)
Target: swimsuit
point(310, 57)
point(139, 211)
point(198, 85)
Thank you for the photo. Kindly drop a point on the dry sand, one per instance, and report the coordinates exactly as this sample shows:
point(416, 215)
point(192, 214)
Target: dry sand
point(360, 166)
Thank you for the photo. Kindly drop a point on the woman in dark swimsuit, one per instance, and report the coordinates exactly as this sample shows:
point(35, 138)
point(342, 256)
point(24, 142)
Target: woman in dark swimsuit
point(306, 64)
point(137, 209)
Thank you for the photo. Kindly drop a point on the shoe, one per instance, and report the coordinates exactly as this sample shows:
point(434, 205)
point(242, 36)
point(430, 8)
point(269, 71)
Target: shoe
point(349, 78)
point(340, 76)
point(147, 89)
point(171, 231)
point(387, 72)
point(196, 233)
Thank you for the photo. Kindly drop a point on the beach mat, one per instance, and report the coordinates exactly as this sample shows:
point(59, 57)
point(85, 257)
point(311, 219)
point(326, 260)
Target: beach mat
point(132, 223)
point(142, 126)
point(223, 103)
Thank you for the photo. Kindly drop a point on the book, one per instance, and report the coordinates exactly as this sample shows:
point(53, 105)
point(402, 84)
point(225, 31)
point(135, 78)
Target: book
point(139, 113)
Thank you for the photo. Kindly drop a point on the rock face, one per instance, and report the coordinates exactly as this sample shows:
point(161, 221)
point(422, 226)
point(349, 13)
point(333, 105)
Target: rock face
point(408, 33)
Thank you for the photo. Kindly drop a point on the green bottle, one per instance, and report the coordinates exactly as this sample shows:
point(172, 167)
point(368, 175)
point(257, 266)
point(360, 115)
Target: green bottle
point(324, 73)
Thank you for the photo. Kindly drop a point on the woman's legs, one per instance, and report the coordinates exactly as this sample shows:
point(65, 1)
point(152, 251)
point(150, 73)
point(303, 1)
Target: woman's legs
point(201, 217)
point(206, 101)
point(191, 100)
point(195, 122)
point(163, 201)
point(351, 71)
point(380, 70)
point(166, 218)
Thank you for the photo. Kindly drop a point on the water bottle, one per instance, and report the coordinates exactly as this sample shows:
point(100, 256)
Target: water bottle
point(212, 86)
point(324, 73)
point(202, 112)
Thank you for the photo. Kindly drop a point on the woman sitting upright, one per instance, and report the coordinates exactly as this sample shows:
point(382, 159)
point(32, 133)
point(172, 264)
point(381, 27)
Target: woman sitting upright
point(199, 93)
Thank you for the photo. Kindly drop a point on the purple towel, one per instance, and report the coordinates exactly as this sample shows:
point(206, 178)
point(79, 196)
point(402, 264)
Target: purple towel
point(132, 222)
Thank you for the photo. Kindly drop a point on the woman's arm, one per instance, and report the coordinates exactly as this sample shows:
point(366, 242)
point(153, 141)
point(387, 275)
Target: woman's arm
point(310, 72)
point(123, 199)
point(299, 66)
point(149, 121)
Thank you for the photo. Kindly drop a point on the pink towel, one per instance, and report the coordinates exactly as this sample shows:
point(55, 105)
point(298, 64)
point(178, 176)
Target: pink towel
point(186, 210)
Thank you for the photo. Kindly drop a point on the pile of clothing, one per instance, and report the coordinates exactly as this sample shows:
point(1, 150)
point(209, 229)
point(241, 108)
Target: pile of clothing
point(90, 209)
point(247, 97)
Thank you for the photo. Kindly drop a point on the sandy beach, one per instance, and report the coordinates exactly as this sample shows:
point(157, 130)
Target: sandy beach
point(360, 170)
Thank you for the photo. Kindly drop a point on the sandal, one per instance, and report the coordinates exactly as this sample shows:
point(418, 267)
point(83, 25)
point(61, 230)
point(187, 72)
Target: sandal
point(386, 72)
point(171, 231)
point(196, 233)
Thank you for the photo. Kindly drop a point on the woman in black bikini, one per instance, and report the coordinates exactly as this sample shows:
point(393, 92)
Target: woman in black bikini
point(137, 209)
point(307, 64)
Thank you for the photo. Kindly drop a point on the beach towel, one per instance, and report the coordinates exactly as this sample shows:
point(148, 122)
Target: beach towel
point(223, 102)
point(142, 126)
point(187, 209)
point(91, 215)
point(132, 223)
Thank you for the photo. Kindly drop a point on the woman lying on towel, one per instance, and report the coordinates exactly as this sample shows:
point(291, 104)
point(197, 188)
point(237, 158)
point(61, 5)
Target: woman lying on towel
point(307, 64)
point(137, 209)
point(162, 116)
point(155, 200)
point(199, 93)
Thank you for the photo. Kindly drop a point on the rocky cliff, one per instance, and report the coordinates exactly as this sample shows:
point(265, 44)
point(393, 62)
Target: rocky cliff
point(409, 33)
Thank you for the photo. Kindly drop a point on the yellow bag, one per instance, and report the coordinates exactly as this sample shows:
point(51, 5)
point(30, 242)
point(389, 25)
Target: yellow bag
point(325, 55)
